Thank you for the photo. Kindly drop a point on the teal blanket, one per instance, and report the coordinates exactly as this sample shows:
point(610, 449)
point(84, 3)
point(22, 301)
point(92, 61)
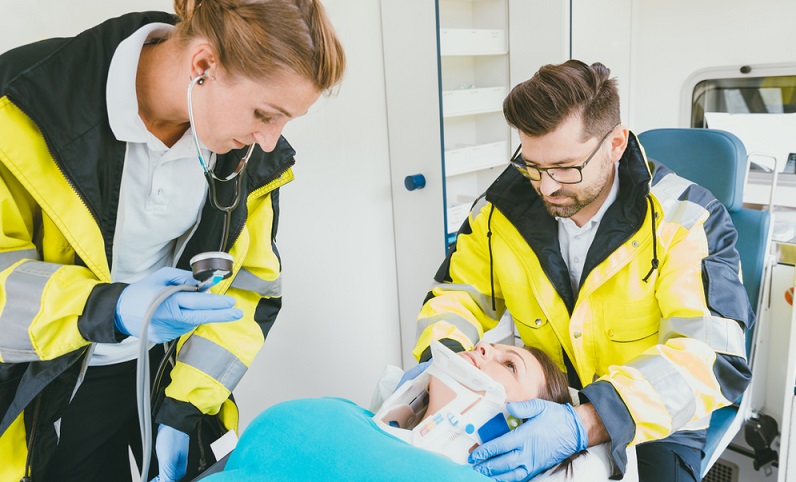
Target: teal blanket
point(330, 439)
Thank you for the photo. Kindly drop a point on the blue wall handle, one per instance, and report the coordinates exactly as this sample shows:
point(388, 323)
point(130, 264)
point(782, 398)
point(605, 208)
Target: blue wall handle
point(415, 181)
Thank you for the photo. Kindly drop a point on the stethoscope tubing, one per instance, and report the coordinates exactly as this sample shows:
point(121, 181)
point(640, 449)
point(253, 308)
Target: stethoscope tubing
point(236, 176)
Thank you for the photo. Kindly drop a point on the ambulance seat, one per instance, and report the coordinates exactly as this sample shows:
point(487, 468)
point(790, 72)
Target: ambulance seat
point(717, 160)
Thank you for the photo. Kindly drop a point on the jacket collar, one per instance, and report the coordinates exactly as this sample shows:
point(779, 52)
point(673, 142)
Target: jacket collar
point(516, 199)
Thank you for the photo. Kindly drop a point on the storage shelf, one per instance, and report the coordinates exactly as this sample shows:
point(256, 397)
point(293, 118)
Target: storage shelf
point(473, 53)
point(472, 101)
point(469, 159)
point(457, 41)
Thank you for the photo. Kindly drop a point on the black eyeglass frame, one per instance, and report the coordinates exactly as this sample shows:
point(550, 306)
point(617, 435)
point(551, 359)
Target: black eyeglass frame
point(525, 169)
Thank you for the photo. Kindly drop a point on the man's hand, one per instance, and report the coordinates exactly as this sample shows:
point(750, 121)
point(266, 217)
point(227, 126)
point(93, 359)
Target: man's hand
point(551, 433)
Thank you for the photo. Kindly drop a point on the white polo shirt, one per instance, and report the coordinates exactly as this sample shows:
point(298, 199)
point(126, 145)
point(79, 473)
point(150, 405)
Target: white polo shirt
point(575, 241)
point(163, 189)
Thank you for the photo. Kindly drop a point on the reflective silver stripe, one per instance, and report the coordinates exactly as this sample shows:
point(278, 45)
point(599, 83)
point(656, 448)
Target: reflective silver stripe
point(24, 288)
point(671, 186)
point(214, 360)
point(685, 213)
point(720, 334)
point(671, 387)
point(8, 258)
point(246, 280)
point(478, 205)
point(483, 301)
point(470, 331)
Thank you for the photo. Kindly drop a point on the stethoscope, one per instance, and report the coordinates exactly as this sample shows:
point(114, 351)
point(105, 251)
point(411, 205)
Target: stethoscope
point(209, 268)
point(236, 176)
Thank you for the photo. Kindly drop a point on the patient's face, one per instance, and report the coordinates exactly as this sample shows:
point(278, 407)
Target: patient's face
point(516, 369)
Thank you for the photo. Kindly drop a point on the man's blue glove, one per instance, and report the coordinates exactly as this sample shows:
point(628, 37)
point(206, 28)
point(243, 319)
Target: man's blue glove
point(413, 373)
point(171, 447)
point(178, 314)
point(551, 433)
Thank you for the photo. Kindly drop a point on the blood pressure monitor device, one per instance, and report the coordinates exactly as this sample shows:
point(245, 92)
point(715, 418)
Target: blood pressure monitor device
point(475, 415)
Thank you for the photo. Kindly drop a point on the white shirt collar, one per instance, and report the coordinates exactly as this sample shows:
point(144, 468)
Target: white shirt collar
point(120, 91)
point(598, 216)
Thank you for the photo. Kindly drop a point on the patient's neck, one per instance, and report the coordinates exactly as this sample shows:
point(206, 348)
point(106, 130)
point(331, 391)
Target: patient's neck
point(439, 395)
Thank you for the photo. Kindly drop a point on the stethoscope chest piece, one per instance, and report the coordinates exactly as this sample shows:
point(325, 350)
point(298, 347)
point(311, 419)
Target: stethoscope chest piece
point(211, 267)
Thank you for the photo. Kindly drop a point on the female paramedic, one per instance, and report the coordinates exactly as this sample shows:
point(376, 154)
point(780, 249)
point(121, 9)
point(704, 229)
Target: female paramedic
point(125, 152)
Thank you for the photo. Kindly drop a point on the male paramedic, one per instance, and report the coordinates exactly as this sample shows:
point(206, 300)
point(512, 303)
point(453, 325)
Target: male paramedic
point(623, 272)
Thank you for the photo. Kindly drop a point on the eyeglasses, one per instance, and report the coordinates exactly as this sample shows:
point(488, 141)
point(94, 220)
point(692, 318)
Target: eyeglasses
point(561, 175)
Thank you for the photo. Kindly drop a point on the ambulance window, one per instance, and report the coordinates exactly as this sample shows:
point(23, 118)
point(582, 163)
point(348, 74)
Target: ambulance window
point(743, 95)
point(757, 103)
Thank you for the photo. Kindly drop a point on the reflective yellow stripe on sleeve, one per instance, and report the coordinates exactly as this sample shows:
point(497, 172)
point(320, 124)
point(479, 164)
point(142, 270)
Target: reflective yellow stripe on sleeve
point(24, 287)
point(213, 360)
point(248, 281)
point(720, 334)
point(682, 212)
point(672, 388)
point(461, 324)
point(9, 258)
point(483, 301)
point(669, 387)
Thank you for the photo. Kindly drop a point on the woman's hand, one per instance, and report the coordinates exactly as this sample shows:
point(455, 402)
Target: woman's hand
point(171, 448)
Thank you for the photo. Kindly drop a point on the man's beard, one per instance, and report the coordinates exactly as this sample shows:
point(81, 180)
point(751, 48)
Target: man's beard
point(565, 210)
point(576, 201)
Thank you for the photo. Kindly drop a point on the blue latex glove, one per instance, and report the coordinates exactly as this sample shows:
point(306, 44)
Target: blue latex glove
point(413, 373)
point(171, 447)
point(178, 314)
point(551, 433)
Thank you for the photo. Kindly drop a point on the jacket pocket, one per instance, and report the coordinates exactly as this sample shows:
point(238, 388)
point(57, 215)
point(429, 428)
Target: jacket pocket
point(631, 322)
point(629, 328)
point(725, 295)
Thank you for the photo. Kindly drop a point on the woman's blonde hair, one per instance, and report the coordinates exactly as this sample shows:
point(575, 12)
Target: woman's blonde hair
point(259, 38)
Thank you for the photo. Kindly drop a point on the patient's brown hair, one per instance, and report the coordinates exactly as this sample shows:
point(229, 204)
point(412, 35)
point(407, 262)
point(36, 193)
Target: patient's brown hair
point(555, 387)
point(556, 390)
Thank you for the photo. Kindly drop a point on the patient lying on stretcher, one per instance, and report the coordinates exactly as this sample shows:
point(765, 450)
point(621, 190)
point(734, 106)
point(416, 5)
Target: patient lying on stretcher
point(423, 431)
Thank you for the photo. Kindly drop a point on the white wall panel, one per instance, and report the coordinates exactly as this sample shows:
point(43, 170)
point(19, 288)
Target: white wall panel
point(674, 39)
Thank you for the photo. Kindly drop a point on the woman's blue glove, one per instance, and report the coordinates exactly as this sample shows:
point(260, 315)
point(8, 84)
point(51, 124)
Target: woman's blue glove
point(413, 373)
point(178, 314)
point(171, 447)
point(551, 433)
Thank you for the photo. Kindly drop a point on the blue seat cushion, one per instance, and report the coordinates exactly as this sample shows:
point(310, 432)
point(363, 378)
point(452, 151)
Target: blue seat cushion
point(720, 422)
point(714, 159)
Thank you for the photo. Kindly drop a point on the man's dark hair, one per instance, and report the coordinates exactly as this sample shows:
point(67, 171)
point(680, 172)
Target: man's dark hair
point(539, 105)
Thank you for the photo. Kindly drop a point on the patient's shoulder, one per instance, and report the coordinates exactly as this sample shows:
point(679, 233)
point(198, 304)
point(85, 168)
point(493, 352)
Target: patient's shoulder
point(309, 417)
point(309, 405)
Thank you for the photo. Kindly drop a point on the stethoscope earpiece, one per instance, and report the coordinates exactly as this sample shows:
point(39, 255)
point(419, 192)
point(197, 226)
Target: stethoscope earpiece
point(200, 79)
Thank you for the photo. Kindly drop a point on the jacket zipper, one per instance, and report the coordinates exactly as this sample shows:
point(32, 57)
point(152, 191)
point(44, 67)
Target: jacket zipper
point(57, 160)
point(202, 454)
point(39, 407)
point(239, 229)
point(32, 442)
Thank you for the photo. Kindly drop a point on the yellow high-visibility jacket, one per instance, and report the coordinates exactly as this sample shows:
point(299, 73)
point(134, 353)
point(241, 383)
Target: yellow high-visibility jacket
point(60, 173)
point(657, 350)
